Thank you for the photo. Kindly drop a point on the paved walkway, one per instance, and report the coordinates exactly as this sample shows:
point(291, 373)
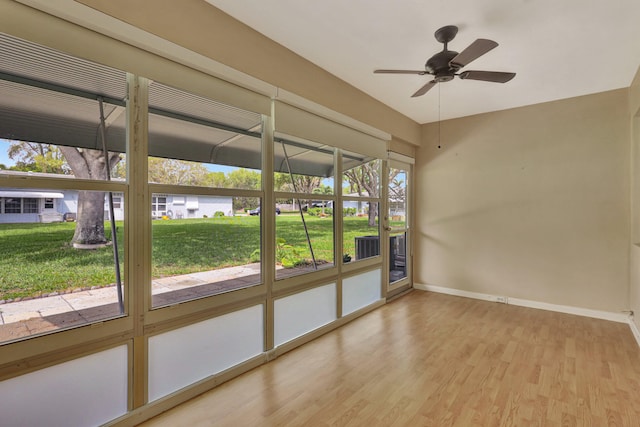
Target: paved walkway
point(24, 318)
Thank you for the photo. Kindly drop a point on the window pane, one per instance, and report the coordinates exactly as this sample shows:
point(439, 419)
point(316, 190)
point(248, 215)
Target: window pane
point(57, 248)
point(196, 141)
point(361, 179)
point(361, 235)
point(12, 205)
point(75, 282)
point(397, 257)
point(300, 250)
point(303, 167)
point(397, 198)
point(203, 244)
point(202, 247)
point(30, 205)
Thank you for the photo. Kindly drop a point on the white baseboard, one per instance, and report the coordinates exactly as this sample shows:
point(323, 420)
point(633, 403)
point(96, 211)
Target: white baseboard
point(456, 292)
point(596, 314)
point(634, 330)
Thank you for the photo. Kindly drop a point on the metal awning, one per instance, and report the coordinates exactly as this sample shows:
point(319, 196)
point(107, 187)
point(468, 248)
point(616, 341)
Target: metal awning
point(32, 194)
point(50, 97)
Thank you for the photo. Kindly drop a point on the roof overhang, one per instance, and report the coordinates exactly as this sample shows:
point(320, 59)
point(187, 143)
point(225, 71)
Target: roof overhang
point(32, 194)
point(50, 97)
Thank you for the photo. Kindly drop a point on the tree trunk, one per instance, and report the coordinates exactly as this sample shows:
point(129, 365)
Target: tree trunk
point(373, 213)
point(89, 164)
point(90, 219)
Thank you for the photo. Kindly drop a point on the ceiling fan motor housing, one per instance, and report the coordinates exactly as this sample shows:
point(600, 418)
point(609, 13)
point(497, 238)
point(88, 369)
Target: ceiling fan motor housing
point(439, 66)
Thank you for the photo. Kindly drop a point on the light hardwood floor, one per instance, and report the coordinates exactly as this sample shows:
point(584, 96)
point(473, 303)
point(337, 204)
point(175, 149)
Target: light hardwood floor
point(428, 359)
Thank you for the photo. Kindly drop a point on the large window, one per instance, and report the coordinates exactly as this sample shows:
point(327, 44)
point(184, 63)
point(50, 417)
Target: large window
point(59, 267)
point(17, 205)
point(304, 185)
point(360, 208)
point(144, 207)
point(205, 173)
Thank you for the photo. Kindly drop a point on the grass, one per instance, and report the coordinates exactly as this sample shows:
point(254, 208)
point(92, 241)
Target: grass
point(38, 259)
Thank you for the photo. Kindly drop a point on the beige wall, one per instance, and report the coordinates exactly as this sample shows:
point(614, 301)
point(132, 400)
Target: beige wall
point(531, 203)
point(634, 108)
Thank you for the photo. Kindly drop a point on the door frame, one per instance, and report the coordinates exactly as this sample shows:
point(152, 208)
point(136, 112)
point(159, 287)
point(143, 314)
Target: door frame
point(401, 285)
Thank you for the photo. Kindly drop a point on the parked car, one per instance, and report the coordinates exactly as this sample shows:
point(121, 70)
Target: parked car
point(256, 211)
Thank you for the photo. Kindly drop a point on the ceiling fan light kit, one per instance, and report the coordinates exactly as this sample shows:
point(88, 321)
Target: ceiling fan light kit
point(445, 65)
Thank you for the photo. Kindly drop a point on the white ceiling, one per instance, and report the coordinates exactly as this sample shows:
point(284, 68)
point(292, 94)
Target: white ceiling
point(558, 48)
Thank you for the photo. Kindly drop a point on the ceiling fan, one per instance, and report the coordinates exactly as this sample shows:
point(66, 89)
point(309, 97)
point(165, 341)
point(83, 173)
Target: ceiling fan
point(445, 65)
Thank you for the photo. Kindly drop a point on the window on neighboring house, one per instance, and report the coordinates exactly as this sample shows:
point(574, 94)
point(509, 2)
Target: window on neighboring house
point(30, 205)
point(48, 203)
point(158, 206)
point(12, 205)
point(117, 202)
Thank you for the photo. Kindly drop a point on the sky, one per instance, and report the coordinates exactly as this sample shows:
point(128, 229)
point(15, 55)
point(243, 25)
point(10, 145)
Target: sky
point(4, 158)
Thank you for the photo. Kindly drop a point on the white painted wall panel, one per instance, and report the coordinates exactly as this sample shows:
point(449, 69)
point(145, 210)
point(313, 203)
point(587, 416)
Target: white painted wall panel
point(361, 290)
point(298, 314)
point(184, 356)
point(87, 391)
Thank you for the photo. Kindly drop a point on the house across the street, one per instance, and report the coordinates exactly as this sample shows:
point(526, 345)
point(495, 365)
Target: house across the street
point(18, 205)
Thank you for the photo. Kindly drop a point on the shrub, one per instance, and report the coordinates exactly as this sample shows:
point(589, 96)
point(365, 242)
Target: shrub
point(218, 214)
point(255, 256)
point(318, 211)
point(286, 255)
point(349, 211)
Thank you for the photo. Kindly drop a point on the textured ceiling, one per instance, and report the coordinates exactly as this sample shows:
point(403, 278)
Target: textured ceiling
point(558, 48)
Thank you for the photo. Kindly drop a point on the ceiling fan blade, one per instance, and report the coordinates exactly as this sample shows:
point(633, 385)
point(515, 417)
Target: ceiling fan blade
point(473, 52)
point(488, 76)
point(421, 73)
point(424, 89)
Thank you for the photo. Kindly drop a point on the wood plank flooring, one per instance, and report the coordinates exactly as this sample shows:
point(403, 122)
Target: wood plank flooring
point(429, 359)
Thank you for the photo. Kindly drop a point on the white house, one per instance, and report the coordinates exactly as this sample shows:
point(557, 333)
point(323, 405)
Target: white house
point(187, 206)
point(18, 205)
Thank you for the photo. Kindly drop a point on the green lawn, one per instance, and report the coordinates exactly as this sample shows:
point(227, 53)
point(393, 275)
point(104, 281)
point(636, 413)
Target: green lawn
point(37, 258)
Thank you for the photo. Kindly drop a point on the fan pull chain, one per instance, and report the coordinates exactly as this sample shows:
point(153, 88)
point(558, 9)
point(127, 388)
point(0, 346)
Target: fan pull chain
point(439, 119)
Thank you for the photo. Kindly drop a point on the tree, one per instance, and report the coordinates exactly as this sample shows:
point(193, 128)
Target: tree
point(177, 172)
point(397, 192)
point(89, 164)
point(245, 179)
point(35, 157)
point(323, 189)
point(216, 179)
point(82, 163)
point(365, 180)
point(300, 184)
